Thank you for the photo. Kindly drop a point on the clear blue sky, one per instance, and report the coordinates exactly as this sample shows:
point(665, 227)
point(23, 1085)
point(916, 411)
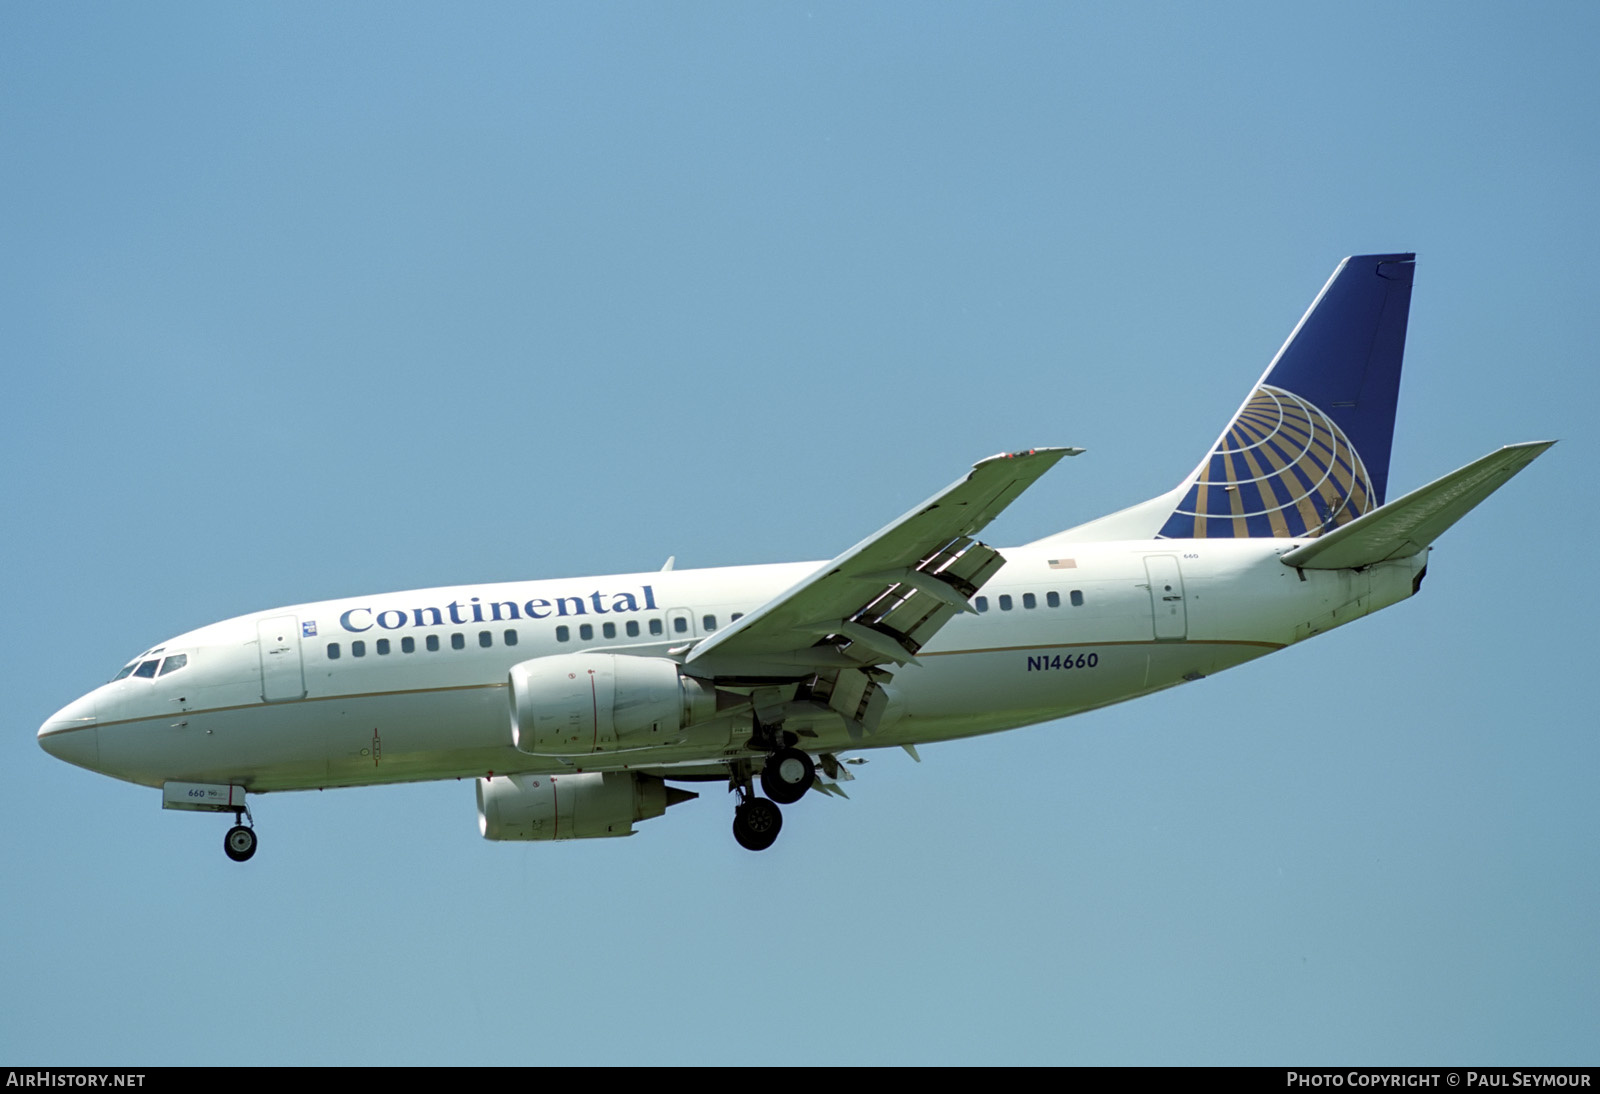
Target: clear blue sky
point(307, 300)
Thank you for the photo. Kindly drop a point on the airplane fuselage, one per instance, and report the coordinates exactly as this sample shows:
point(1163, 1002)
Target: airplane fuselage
point(411, 686)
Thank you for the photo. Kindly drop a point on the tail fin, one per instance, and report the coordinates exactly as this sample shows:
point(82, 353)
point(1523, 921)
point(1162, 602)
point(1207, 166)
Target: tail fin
point(1309, 449)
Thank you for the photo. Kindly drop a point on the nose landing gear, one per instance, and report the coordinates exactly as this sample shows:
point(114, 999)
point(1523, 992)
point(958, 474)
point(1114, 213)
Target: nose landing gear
point(240, 842)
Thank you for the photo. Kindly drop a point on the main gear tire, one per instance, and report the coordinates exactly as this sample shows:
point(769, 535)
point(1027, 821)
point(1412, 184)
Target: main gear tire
point(756, 824)
point(787, 775)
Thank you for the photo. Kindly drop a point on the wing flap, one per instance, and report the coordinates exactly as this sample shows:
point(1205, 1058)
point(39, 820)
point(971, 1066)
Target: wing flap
point(1403, 527)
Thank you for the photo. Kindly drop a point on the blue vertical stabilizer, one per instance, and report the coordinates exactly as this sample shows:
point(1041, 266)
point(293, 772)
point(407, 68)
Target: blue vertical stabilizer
point(1309, 449)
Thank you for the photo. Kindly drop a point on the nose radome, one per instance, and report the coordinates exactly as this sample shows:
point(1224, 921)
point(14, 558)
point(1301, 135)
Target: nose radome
point(71, 734)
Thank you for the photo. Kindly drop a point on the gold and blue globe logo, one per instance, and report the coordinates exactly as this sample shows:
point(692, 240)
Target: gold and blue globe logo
point(1282, 469)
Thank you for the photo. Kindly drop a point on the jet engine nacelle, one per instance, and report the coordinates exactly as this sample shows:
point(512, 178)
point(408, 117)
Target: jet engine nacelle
point(578, 704)
point(590, 805)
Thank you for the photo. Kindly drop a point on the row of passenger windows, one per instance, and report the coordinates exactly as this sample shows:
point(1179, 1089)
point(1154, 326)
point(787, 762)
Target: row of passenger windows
point(1052, 599)
point(408, 644)
point(680, 626)
point(458, 641)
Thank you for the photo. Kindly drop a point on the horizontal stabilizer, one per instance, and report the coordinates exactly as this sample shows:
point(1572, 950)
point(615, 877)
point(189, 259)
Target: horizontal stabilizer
point(1404, 527)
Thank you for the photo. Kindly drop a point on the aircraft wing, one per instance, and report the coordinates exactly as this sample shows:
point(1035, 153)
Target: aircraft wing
point(884, 598)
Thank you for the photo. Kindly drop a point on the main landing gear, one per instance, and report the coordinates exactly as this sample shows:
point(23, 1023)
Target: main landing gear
point(785, 777)
point(756, 824)
point(240, 842)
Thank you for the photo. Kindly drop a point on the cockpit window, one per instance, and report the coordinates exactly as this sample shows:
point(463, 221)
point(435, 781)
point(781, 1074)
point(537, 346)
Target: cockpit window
point(144, 666)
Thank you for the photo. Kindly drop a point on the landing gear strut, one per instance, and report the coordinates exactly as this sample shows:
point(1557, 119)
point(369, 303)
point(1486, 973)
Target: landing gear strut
point(240, 842)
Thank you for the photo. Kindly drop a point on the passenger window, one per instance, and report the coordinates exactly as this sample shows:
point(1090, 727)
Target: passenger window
point(511, 638)
point(633, 628)
point(485, 639)
point(358, 648)
point(1077, 598)
point(1029, 600)
point(1005, 602)
point(608, 630)
point(408, 644)
point(982, 603)
point(147, 669)
point(1052, 599)
point(458, 641)
point(680, 625)
point(585, 631)
point(433, 643)
point(383, 646)
point(709, 622)
point(174, 663)
point(562, 634)
point(735, 617)
point(655, 627)
point(333, 651)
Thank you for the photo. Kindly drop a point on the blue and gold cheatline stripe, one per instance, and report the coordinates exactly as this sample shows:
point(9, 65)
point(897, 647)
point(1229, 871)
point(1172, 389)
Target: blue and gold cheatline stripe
point(1282, 469)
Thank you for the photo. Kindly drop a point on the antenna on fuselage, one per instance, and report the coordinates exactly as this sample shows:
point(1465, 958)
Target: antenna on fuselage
point(668, 564)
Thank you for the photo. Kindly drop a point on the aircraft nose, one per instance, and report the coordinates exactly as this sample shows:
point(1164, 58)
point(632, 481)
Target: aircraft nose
point(71, 734)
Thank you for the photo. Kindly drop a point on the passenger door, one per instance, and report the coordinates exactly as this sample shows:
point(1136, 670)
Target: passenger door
point(282, 674)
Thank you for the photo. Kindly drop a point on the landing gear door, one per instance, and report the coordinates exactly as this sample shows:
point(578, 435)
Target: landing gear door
point(282, 676)
point(1167, 606)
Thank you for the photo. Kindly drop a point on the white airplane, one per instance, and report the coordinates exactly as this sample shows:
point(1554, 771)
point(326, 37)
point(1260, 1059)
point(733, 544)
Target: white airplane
point(577, 703)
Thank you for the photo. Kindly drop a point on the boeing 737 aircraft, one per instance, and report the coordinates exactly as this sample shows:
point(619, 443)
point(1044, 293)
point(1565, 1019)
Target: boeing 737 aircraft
point(582, 706)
